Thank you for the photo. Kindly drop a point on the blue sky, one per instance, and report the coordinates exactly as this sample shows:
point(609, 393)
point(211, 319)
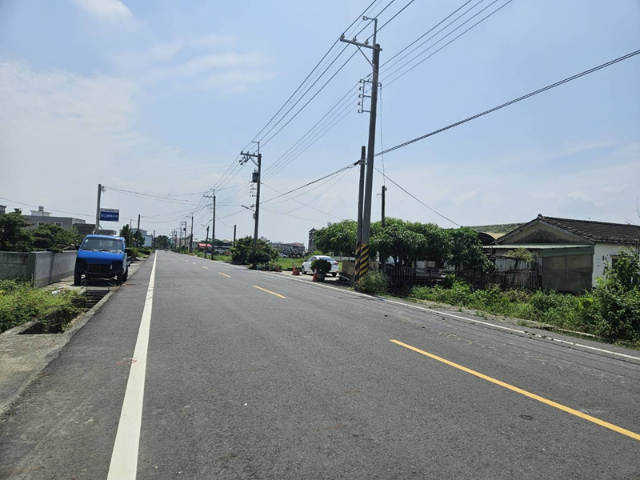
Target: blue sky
point(160, 97)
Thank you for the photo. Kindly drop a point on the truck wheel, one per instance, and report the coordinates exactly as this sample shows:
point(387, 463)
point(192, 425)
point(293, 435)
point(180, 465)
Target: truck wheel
point(126, 275)
point(76, 278)
point(119, 279)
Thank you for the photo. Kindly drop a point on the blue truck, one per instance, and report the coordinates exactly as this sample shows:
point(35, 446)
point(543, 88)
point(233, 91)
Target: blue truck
point(101, 256)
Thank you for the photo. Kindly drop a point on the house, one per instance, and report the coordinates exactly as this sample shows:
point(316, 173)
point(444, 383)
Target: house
point(569, 254)
point(42, 217)
point(148, 239)
point(295, 248)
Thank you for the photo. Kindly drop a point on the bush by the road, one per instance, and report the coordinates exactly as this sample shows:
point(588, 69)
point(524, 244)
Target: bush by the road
point(20, 302)
point(611, 310)
point(374, 283)
point(243, 253)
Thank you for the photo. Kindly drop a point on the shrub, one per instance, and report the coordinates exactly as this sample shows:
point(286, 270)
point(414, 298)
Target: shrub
point(20, 302)
point(321, 265)
point(375, 283)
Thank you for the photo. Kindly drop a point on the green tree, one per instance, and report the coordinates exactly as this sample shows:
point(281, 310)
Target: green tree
point(466, 250)
point(398, 241)
point(14, 237)
point(125, 232)
point(337, 238)
point(437, 245)
point(161, 241)
point(243, 253)
point(54, 238)
point(618, 297)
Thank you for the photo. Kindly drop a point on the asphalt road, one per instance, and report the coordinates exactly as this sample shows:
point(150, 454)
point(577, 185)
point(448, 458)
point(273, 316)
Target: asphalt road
point(254, 375)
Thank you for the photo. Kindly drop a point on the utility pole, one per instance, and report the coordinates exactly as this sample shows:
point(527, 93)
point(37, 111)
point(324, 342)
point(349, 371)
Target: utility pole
point(256, 179)
point(138, 233)
point(97, 226)
point(359, 218)
point(234, 235)
point(213, 228)
point(206, 241)
point(382, 218)
point(366, 214)
point(191, 236)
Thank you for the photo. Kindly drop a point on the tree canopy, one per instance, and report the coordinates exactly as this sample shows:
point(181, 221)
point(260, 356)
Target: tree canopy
point(339, 237)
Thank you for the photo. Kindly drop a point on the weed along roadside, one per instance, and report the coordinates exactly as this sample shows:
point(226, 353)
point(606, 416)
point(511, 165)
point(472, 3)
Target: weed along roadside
point(38, 323)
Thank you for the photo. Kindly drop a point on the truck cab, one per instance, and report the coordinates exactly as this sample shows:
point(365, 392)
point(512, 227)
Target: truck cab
point(101, 256)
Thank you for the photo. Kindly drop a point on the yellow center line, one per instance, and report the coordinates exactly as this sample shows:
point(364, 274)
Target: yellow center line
point(224, 274)
point(269, 291)
point(205, 267)
point(533, 396)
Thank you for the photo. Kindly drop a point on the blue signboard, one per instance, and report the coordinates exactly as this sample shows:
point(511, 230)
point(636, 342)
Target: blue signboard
point(109, 215)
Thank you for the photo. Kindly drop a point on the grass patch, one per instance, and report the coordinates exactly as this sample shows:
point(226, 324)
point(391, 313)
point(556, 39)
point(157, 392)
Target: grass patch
point(21, 302)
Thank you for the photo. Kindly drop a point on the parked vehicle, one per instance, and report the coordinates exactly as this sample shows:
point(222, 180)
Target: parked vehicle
point(306, 265)
point(102, 256)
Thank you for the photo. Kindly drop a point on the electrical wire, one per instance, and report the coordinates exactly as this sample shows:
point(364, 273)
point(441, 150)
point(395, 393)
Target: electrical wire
point(511, 102)
point(298, 201)
point(314, 181)
point(417, 199)
point(37, 206)
point(446, 44)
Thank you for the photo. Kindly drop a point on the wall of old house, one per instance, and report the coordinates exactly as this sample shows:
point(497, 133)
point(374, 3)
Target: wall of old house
point(567, 273)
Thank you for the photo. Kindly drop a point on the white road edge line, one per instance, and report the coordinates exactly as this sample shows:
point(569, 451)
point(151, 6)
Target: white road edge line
point(124, 459)
point(468, 320)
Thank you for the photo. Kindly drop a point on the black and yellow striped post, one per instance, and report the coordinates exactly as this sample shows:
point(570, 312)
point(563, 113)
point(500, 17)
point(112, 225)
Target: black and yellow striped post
point(363, 261)
point(356, 275)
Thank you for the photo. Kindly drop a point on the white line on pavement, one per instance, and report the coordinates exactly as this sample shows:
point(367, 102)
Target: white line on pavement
point(465, 319)
point(124, 459)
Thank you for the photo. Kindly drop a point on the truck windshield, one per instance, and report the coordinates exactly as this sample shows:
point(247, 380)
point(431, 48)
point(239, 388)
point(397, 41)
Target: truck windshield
point(102, 244)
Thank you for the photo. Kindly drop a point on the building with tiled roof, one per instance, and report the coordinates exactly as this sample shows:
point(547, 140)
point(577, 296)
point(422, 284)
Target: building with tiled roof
point(570, 254)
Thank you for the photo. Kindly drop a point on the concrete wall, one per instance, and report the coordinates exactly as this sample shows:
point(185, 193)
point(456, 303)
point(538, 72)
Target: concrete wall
point(602, 256)
point(41, 267)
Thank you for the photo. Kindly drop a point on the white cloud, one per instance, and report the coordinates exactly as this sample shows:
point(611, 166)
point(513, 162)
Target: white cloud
point(61, 134)
point(207, 62)
point(108, 9)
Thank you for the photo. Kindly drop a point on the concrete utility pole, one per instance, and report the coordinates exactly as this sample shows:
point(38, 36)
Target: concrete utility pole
point(213, 230)
point(97, 226)
point(366, 215)
point(256, 179)
point(359, 218)
point(206, 241)
point(234, 235)
point(191, 236)
point(382, 218)
point(138, 233)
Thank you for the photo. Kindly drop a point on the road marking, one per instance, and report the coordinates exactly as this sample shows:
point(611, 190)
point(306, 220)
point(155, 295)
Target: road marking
point(533, 396)
point(124, 459)
point(205, 267)
point(269, 291)
point(193, 263)
point(522, 332)
point(224, 274)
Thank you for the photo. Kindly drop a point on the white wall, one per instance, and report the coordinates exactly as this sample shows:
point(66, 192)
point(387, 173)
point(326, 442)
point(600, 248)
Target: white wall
point(602, 253)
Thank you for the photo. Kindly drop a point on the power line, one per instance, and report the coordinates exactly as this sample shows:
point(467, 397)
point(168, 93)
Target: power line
point(417, 199)
point(37, 206)
point(446, 44)
point(312, 182)
point(516, 100)
point(306, 205)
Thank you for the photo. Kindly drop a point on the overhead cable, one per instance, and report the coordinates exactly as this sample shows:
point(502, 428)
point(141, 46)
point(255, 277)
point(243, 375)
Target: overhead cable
point(511, 102)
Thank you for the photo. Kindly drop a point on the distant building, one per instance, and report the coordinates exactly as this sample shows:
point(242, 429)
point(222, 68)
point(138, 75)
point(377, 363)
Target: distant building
point(312, 240)
point(294, 248)
point(148, 239)
point(42, 217)
point(3, 209)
